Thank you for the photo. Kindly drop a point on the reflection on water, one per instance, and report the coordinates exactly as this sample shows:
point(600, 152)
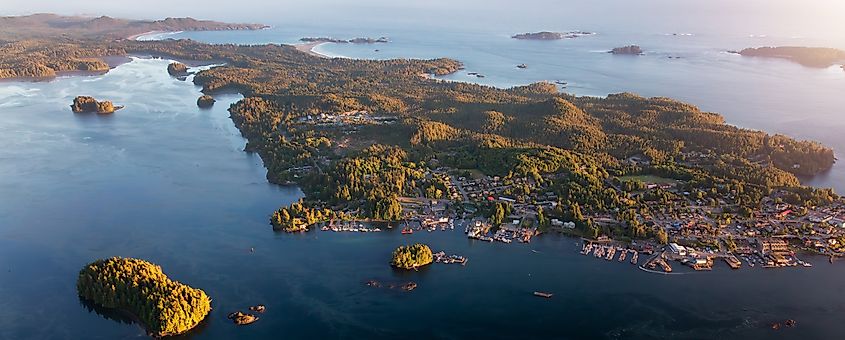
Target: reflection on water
point(124, 317)
point(108, 313)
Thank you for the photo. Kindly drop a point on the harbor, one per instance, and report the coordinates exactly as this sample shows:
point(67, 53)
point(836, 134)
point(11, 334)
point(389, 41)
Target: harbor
point(609, 252)
point(771, 255)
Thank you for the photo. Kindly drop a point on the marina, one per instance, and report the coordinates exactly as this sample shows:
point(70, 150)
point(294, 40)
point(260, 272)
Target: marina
point(609, 252)
point(441, 257)
point(349, 227)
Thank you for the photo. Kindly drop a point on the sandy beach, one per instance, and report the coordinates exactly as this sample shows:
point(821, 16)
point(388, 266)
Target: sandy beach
point(136, 36)
point(309, 48)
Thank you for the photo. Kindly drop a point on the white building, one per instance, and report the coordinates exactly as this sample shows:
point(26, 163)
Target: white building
point(677, 249)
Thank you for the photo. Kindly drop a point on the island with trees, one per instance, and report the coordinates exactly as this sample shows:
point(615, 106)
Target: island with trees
point(546, 35)
point(164, 307)
point(411, 256)
point(345, 41)
point(807, 56)
point(627, 50)
point(87, 104)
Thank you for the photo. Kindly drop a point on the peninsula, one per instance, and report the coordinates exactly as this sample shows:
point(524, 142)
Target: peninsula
point(25, 58)
point(383, 140)
point(807, 56)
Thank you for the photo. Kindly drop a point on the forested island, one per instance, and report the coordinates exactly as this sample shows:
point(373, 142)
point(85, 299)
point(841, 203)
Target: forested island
point(164, 307)
point(807, 56)
point(364, 137)
point(629, 50)
point(412, 256)
point(546, 35)
point(345, 41)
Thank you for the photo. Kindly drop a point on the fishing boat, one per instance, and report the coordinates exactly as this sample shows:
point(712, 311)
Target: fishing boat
point(543, 294)
point(407, 230)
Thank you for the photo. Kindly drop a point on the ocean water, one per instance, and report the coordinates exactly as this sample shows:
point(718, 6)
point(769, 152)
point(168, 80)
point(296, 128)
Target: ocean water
point(165, 181)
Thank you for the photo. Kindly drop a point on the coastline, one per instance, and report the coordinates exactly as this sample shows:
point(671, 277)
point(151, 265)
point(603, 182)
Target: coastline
point(112, 61)
point(309, 48)
point(136, 36)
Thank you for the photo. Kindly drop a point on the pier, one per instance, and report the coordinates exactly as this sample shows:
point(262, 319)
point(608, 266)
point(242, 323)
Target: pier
point(608, 252)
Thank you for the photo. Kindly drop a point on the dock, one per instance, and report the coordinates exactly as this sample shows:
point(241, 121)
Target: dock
point(733, 262)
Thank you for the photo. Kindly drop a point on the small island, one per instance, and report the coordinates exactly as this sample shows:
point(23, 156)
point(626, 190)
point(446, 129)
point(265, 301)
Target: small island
point(412, 257)
point(627, 50)
point(242, 319)
point(342, 41)
point(546, 35)
point(177, 69)
point(86, 104)
point(205, 101)
point(163, 306)
point(820, 57)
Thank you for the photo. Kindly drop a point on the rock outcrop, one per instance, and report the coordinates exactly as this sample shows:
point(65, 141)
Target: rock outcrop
point(177, 69)
point(241, 319)
point(86, 104)
point(205, 101)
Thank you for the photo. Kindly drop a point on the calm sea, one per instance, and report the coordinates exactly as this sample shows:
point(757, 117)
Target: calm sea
point(165, 181)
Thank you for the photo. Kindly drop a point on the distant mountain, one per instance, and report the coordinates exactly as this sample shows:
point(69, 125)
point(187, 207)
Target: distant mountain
point(807, 56)
point(15, 28)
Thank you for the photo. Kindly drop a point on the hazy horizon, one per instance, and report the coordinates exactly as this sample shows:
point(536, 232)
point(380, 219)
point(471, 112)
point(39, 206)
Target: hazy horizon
point(816, 18)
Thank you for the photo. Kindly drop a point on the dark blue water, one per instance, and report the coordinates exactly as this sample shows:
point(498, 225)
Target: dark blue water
point(167, 182)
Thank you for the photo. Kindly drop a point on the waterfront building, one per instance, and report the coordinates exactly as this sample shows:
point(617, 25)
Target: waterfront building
point(678, 249)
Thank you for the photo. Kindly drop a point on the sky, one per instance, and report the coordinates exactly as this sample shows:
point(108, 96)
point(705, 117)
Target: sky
point(785, 17)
